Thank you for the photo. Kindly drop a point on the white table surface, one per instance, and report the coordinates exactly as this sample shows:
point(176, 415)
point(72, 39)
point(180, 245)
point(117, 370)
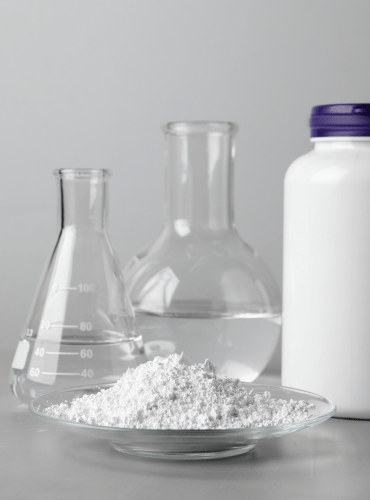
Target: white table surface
point(41, 461)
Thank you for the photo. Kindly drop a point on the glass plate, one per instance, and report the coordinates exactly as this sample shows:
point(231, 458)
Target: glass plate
point(185, 444)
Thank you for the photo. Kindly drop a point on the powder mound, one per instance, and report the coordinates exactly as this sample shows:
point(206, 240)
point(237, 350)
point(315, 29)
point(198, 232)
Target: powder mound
point(166, 393)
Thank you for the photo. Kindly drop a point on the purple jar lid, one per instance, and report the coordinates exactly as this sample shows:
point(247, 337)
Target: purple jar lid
point(340, 120)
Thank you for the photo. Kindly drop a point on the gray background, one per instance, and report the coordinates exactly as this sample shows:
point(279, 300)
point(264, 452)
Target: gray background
point(89, 83)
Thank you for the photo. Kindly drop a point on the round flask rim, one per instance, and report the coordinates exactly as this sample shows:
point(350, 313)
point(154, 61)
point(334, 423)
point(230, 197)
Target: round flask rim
point(200, 127)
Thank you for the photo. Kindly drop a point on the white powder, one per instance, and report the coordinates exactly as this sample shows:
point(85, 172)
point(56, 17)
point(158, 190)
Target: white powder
point(166, 393)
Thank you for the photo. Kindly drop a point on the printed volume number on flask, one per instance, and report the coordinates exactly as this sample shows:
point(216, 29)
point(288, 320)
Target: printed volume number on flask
point(45, 367)
point(84, 326)
point(81, 287)
point(35, 372)
point(83, 353)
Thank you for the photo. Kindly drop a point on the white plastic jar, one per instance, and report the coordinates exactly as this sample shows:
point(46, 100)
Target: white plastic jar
point(326, 290)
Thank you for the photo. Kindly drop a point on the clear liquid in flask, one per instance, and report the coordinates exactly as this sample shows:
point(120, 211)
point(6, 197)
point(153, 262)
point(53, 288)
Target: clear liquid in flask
point(239, 347)
point(41, 366)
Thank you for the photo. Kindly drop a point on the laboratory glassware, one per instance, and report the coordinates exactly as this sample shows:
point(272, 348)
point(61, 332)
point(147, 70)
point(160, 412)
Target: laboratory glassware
point(81, 325)
point(326, 330)
point(185, 444)
point(199, 288)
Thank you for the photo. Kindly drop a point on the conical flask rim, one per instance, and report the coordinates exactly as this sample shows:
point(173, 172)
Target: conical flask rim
point(83, 172)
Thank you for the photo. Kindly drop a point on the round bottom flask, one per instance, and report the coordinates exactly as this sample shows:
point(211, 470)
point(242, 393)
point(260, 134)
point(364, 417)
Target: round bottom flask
point(199, 288)
point(80, 329)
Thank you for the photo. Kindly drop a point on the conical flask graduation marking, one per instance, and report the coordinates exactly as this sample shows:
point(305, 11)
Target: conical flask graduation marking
point(81, 328)
point(199, 288)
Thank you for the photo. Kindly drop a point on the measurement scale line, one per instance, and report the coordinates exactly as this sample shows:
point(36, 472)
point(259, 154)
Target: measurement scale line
point(67, 288)
point(56, 325)
point(63, 353)
point(57, 373)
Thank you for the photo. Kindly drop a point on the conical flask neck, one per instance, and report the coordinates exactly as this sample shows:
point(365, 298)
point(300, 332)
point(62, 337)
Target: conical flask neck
point(83, 198)
point(199, 158)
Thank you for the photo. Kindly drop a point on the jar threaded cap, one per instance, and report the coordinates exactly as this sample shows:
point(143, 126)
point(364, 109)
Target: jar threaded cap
point(340, 120)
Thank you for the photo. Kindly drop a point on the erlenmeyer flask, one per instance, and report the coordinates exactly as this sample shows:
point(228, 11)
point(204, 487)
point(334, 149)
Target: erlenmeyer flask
point(80, 329)
point(199, 288)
